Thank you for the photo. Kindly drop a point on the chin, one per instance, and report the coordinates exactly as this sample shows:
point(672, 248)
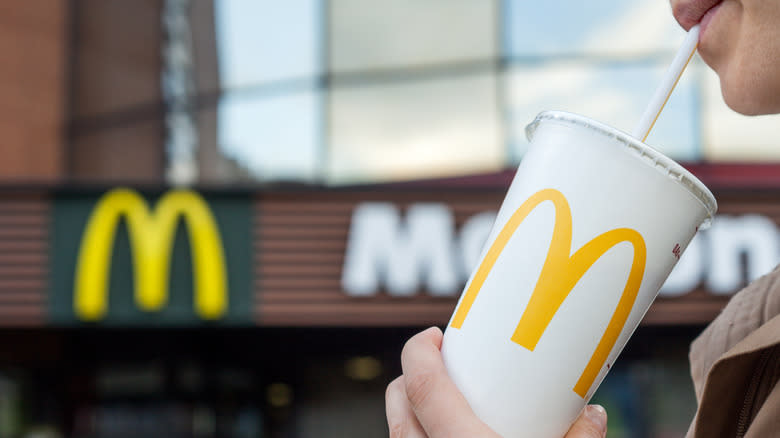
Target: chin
point(747, 95)
point(743, 105)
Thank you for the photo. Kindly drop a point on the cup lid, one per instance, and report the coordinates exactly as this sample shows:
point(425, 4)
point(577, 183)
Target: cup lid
point(656, 159)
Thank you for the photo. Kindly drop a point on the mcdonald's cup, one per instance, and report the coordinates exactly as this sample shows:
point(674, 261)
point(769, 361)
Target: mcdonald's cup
point(592, 225)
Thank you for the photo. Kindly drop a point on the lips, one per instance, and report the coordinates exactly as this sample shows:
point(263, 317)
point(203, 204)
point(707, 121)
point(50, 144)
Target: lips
point(690, 12)
point(705, 21)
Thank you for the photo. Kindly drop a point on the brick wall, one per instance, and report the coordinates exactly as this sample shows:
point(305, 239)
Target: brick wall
point(32, 77)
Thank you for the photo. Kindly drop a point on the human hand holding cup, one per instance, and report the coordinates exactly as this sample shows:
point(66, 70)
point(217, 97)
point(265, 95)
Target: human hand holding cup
point(424, 402)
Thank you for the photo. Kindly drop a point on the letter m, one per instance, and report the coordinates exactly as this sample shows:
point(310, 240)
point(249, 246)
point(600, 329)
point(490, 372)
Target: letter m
point(383, 250)
point(151, 241)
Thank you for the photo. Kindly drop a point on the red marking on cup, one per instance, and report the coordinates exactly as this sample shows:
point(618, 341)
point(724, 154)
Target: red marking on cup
point(677, 251)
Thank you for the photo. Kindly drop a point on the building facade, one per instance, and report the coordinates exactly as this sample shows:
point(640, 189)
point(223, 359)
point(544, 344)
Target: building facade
point(197, 244)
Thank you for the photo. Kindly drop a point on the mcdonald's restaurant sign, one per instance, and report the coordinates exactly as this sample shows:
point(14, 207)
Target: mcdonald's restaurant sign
point(171, 258)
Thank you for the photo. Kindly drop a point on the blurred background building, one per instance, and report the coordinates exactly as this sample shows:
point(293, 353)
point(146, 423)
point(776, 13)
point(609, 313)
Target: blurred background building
point(349, 157)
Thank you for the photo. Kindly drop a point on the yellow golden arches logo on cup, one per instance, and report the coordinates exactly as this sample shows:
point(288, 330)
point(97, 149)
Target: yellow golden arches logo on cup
point(559, 275)
point(151, 240)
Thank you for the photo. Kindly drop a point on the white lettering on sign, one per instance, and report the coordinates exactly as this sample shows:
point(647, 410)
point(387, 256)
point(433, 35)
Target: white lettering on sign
point(732, 238)
point(385, 251)
point(404, 255)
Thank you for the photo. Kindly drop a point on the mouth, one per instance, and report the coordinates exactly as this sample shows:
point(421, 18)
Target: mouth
point(705, 20)
point(689, 13)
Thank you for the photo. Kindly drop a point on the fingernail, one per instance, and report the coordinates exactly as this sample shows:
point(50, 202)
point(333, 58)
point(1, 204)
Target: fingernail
point(597, 415)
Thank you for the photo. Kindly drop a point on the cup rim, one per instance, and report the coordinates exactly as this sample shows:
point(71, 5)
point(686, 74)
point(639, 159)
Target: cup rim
point(653, 157)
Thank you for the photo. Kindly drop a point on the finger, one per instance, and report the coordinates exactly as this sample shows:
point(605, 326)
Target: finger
point(401, 420)
point(592, 423)
point(438, 404)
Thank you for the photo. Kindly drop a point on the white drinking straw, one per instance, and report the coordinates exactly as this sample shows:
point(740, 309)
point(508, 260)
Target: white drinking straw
point(662, 93)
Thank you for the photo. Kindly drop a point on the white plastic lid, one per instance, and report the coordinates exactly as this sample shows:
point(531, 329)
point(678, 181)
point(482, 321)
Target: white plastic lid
point(654, 158)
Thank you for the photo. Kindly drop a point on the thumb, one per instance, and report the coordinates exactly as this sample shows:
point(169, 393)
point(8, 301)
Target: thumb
point(433, 397)
point(592, 423)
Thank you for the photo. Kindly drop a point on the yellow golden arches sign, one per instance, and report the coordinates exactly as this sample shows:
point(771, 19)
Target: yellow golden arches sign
point(151, 240)
point(559, 275)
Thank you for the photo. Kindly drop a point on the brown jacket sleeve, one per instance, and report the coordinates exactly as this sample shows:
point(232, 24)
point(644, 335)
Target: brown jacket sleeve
point(735, 365)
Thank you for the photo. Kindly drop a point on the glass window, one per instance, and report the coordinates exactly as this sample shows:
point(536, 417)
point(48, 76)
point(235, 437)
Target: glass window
point(272, 137)
point(613, 27)
point(729, 136)
point(414, 129)
point(267, 40)
point(374, 35)
point(615, 94)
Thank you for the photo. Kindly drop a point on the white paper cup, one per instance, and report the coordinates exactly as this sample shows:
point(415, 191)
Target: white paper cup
point(592, 225)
